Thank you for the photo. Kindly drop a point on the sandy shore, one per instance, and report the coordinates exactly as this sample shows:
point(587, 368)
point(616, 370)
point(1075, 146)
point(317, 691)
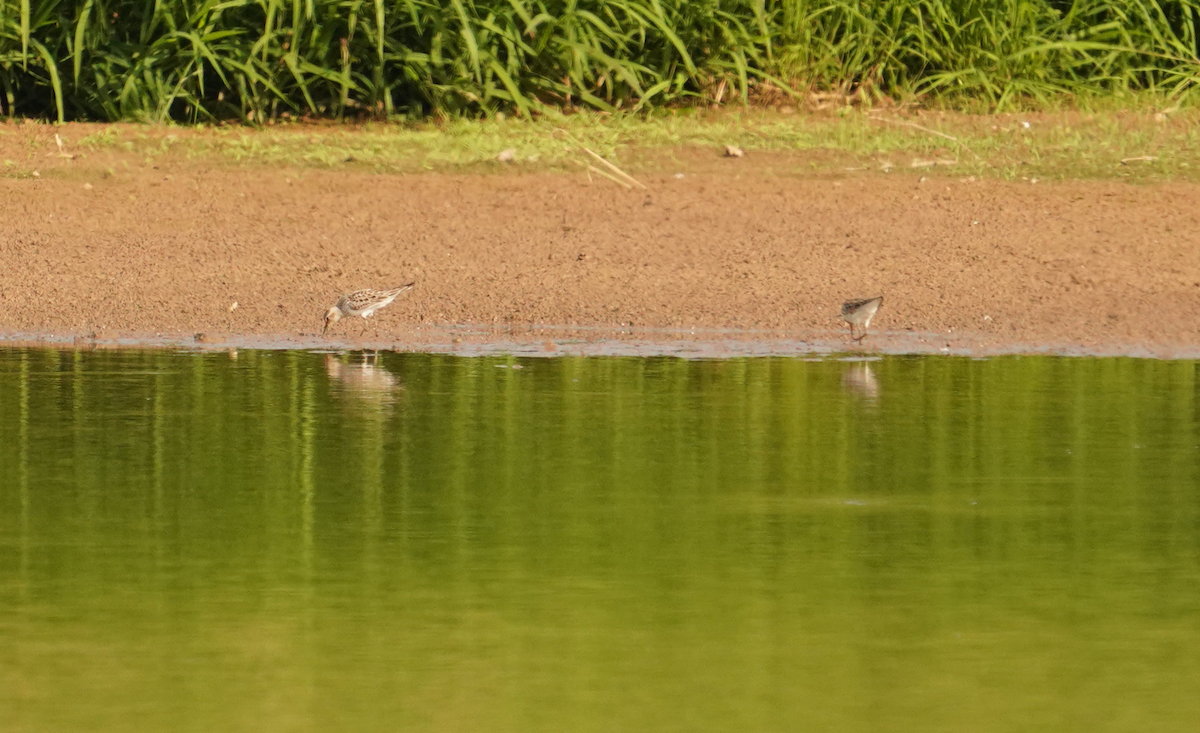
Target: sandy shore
point(740, 259)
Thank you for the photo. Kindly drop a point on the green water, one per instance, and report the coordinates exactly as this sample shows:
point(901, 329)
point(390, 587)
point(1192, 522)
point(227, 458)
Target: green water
point(296, 542)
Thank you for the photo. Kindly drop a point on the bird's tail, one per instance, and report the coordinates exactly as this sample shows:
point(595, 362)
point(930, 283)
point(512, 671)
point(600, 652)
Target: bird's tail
point(397, 290)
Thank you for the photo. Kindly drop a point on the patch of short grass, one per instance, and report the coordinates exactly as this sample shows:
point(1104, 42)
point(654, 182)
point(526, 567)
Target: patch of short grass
point(1134, 144)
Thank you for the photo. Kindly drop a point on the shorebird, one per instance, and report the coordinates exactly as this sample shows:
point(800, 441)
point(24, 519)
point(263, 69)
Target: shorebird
point(859, 313)
point(361, 303)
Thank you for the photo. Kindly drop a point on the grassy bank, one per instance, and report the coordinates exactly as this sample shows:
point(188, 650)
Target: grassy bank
point(1132, 144)
point(265, 59)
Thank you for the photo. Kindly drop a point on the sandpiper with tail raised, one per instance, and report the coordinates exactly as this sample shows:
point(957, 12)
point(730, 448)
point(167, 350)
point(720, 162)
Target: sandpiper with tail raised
point(361, 303)
point(859, 313)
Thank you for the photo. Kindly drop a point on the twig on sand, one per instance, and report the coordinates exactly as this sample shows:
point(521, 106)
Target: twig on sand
point(60, 152)
point(922, 128)
point(1126, 161)
point(614, 169)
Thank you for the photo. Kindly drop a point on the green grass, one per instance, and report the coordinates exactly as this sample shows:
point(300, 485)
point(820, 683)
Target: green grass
point(1066, 144)
point(256, 60)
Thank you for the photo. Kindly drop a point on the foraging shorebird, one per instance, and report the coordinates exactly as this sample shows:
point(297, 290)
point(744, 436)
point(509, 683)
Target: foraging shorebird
point(859, 313)
point(361, 303)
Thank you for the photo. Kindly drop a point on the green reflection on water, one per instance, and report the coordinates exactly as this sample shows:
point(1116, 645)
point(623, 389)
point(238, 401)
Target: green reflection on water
point(292, 541)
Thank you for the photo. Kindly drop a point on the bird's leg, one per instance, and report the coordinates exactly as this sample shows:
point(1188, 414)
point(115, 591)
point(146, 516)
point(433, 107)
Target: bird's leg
point(851, 330)
point(865, 327)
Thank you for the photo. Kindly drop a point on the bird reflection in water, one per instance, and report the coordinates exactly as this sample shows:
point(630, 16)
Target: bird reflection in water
point(860, 379)
point(364, 378)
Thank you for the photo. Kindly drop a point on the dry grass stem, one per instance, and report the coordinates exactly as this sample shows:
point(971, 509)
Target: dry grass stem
point(922, 128)
point(611, 176)
point(615, 169)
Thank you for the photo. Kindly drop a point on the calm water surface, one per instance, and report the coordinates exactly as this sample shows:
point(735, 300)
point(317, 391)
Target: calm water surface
point(300, 542)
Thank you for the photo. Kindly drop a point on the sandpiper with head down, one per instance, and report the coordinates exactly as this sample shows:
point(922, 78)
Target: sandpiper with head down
point(859, 313)
point(361, 303)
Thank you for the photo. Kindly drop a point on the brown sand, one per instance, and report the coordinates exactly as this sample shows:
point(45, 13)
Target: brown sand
point(163, 252)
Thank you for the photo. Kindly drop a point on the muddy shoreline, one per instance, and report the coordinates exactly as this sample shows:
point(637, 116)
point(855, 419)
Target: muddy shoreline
point(559, 341)
point(754, 258)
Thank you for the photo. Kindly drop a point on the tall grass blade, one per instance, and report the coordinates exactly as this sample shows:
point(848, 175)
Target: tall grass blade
point(190, 59)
